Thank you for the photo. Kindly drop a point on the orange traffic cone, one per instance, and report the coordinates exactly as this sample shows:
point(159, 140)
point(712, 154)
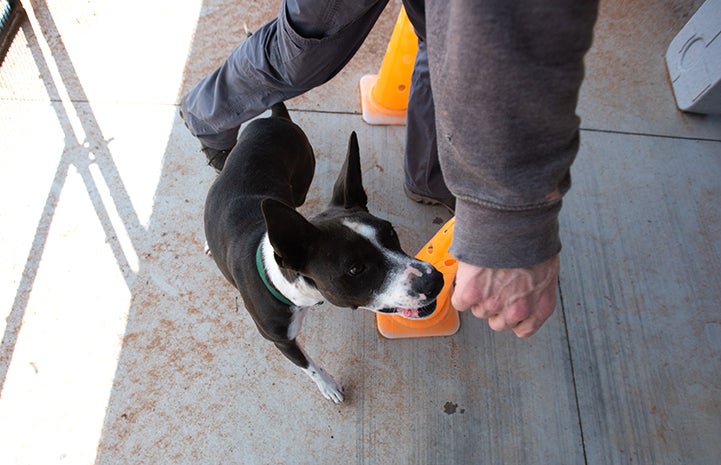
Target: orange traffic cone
point(384, 96)
point(445, 320)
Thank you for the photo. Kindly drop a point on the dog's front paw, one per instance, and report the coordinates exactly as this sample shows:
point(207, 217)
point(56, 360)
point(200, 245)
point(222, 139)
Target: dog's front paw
point(330, 389)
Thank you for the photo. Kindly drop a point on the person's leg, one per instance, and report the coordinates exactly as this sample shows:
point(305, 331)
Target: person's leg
point(423, 176)
point(308, 44)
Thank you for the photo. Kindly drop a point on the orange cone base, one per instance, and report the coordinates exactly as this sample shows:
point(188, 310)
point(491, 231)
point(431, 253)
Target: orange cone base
point(445, 320)
point(374, 113)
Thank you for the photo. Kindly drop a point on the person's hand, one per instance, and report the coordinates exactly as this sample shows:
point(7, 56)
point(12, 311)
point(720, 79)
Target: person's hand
point(519, 299)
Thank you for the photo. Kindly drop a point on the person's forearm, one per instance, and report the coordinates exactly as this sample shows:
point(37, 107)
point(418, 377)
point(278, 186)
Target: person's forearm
point(505, 78)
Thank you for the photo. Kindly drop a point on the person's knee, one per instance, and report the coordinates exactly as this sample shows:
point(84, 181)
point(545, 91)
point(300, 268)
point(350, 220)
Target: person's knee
point(303, 80)
point(307, 52)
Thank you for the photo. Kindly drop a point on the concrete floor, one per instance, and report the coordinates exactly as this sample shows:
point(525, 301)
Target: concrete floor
point(123, 344)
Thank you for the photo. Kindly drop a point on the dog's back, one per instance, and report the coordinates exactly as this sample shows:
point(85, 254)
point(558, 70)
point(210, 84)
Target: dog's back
point(271, 154)
point(272, 159)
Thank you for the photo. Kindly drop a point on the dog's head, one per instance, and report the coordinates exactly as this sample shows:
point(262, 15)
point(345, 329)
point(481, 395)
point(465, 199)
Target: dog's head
point(352, 257)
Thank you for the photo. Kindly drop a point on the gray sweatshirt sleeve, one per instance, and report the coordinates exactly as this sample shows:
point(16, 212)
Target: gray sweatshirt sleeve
point(505, 78)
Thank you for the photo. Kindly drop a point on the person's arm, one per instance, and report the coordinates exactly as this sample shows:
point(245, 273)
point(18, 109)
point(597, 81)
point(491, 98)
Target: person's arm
point(505, 78)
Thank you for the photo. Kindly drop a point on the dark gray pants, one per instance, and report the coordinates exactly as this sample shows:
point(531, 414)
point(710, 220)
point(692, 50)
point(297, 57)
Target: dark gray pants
point(505, 78)
point(308, 44)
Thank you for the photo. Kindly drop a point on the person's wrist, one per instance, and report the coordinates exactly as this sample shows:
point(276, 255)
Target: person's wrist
point(495, 238)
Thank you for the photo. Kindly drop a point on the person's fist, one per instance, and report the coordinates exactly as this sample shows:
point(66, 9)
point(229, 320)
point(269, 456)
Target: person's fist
point(519, 299)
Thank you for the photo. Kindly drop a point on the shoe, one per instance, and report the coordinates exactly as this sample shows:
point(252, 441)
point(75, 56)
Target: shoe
point(449, 203)
point(216, 158)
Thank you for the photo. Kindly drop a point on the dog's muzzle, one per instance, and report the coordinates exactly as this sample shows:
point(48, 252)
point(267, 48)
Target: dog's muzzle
point(412, 313)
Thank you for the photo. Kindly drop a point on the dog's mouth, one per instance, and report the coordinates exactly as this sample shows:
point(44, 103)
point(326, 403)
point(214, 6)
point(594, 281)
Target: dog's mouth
point(412, 313)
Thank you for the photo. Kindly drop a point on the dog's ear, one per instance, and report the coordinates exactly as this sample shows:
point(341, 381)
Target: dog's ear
point(348, 190)
point(290, 234)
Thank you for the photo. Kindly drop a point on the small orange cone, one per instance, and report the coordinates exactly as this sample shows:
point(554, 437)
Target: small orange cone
point(384, 96)
point(445, 320)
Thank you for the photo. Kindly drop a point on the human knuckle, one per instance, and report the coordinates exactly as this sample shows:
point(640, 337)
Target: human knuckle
point(519, 312)
point(497, 324)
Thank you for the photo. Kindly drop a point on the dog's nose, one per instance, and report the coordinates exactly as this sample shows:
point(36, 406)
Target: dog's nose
point(432, 284)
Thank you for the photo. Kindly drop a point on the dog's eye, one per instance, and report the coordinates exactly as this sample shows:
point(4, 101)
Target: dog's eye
point(356, 269)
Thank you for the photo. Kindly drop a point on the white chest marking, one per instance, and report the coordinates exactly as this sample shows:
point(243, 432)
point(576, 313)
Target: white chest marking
point(298, 291)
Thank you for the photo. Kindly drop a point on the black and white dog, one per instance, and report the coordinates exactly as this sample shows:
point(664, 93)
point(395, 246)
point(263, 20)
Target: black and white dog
point(284, 264)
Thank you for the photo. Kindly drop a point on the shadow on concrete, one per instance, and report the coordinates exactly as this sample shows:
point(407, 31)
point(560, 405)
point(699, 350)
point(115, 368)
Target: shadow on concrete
point(91, 150)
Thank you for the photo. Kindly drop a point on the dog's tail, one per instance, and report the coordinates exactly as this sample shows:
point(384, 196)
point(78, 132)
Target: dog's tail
point(280, 111)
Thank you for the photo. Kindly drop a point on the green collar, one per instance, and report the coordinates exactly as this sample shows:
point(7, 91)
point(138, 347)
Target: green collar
point(264, 278)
